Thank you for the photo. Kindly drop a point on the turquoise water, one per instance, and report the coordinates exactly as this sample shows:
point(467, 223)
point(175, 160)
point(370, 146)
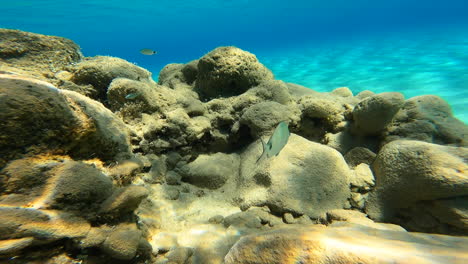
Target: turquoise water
point(411, 46)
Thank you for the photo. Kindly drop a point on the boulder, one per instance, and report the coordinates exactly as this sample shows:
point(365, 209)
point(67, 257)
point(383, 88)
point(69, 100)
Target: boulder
point(359, 155)
point(362, 178)
point(24, 127)
point(374, 113)
point(305, 178)
point(229, 71)
point(68, 123)
point(107, 137)
point(265, 116)
point(211, 171)
point(297, 91)
point(53, 183)
point(99, 71)
point(346, 244)
point(179, 254)
point(408, 171)
point(427, 118)
point(243, 220)
point(45, 225)
point(122, 243)
point(176, 75)
point(342, 91)
point(342, 217)
point(37, 54)
point(95, 237)
point(26, 177)
point(451, 211)
point(364, 94)
point(124, 200)
point(12, 246)
point(272, 90)
point(76, 186)
point(327, 113)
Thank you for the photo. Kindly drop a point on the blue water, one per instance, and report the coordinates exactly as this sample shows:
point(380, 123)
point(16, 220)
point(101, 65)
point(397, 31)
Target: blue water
point(412, 46)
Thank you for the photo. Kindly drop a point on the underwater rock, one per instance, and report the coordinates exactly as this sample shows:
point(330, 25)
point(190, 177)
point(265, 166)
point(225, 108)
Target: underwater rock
point(305, 178)
point(54, 184)
point(211, 171)
point(362, 178)
point(177, 131)
point(95, 237)
point(374, 113)
point(343, 92)
point(346, 244)
point(326, 112)
point(364, 94)
point(229, 71)
point(44, 225)
point(451, 211)
point(243, 220)
point(124, 200)
point(271, 90)
point(67, 123)
point(427, 118)
point(77, 186)
point(146, 100)
point(37, 54)
point(297, 91)
point(122, 243)
point(264, 116)
point(99, 71)
point(107, 137)
point(342, 217)
point(179, 255)
point(24, 128)
point(176, 75)
point(359, 155)
point(13, 246)
point(408, 171)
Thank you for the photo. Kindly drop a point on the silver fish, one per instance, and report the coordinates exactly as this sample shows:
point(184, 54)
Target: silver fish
point(131, 96)
point(276, 142)
point(147, 52)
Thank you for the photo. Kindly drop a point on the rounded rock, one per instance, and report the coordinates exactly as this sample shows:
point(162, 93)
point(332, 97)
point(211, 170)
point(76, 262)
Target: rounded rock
point(229, 71)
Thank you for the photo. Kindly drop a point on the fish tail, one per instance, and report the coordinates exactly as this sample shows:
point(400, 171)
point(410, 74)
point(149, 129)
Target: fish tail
point(264, 150)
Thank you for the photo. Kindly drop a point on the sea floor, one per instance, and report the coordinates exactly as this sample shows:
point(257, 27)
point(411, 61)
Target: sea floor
point(411, 63)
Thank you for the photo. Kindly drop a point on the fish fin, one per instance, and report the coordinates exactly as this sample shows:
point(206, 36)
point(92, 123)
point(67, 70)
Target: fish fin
point(264, 150)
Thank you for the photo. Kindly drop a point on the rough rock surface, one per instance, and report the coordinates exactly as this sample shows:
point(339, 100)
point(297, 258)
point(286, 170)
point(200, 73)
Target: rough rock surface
point(37, 54)
point(67, 123)
point(211, 171)
point(173, 165)
point(60, 201)
point(176, 75)
point(229, 71)
point(262, 117)
point(99, 72)
point(123, 241)
point(347, 244)
point(305, 178)
point(427, 118)
point(374, 113)
point(359, 155)
point(124, 200)
point(409, 171)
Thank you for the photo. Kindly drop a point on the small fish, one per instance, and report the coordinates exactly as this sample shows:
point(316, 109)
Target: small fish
point(132, 96)
point(276, 142)
point(147, 52)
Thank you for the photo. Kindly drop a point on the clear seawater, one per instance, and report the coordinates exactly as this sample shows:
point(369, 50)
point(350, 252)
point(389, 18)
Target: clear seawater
point(412, 46)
